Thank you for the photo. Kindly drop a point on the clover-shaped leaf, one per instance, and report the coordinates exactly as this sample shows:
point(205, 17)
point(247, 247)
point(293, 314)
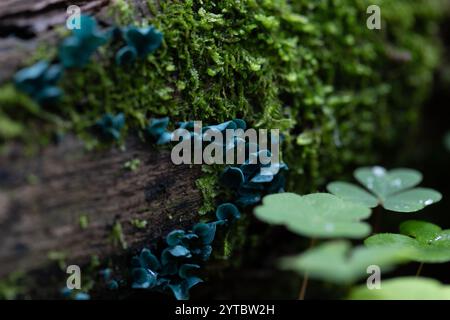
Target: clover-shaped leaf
point(392, 189)
point(337, 262)
point(431, 244)
point(404, 288)
point(315, 215)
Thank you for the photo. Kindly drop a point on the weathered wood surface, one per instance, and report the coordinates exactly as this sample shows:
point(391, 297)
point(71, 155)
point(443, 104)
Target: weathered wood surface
point(43, 197)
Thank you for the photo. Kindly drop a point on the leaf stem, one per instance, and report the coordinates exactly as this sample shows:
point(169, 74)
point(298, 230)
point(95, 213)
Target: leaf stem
point(302, 293)
point(301, 296)
point(419, 270)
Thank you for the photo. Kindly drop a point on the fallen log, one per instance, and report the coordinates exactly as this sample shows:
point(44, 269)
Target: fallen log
point(68, 200)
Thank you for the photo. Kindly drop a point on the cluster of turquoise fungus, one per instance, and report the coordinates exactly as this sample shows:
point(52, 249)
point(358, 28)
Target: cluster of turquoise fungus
point(110, 126)
point(40, 80)
point(157, 130)
point(110, 282)
point(186, 250)
point(73, 294)
point(140, 42)
point(77, 49)
point(250, 184)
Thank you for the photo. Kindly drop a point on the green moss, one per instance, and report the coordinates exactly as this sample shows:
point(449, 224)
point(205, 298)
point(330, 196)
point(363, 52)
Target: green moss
point(139, 224)
point(123, 11)
point(11, 287)
point(117, 237)
point(208, 186)
point(59, 257)
point(132, 165)
point(83, 220)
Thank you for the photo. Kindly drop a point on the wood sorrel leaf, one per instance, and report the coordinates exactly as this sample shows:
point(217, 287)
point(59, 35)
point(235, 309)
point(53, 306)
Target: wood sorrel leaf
point(431, 244)
point(391, 189)
point(412, 200)
point(404, 288)
point(384, 183)
point(337, 262)
point(317, 215)
point(352, 193)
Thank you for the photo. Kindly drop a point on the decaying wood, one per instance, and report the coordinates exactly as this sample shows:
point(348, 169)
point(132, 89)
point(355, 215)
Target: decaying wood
point(42, 199)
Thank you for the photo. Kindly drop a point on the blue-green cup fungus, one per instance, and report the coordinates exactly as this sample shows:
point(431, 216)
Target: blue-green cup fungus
point(110, 126)
point(77, 49)
point(39, 81)
point(140, 42)
point(157, 130)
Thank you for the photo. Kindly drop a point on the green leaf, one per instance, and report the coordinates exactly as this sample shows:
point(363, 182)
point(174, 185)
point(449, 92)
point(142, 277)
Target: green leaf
point(431, 244)
point(384, 183)
point(337, 262)
point(352, 193)
point(391, 189)
point(8, 128)
point(317, 215)
point(412, 200)
point(404, 288)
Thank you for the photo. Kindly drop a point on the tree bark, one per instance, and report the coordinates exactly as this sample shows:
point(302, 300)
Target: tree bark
point(42, 199)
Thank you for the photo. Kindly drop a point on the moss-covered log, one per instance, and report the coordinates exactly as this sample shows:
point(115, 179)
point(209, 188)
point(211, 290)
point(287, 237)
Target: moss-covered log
point(336, 89)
